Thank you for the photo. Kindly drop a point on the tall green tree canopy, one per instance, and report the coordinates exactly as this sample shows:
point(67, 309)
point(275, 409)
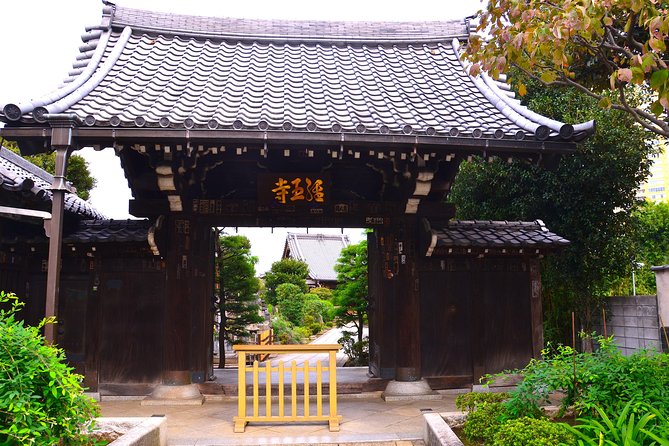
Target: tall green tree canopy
point(237, 287)
point(587, 198)
point(285, 271)
point(652, 247)
point(351, 294)
point(77, 169)
point(591, 45)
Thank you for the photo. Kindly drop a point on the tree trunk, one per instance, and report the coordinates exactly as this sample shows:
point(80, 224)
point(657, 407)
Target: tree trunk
point(361, 321)
point(221, 342)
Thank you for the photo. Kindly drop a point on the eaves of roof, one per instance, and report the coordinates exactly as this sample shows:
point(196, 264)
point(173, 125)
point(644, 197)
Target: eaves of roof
point(145, 71)
point(492, 234)
point(20, 176)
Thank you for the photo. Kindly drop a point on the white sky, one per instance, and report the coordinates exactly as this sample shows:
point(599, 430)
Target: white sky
point(40, 40)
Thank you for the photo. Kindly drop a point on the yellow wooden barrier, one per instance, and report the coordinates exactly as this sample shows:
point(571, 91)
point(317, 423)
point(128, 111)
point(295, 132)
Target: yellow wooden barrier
point(280, 415)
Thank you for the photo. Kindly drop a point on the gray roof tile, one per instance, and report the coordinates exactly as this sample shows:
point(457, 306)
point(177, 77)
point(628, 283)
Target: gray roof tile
point(19, 175)
point(319, 251)
point(237, 73)
point(496, 234)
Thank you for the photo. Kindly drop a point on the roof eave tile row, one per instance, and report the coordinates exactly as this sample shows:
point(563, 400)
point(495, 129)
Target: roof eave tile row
point(20, 176)
point(495, 234)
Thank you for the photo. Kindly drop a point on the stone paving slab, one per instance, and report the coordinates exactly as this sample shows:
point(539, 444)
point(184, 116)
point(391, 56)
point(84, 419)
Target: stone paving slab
point(366, 420)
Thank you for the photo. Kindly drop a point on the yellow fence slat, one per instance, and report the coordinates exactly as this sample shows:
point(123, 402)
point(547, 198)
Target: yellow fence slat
point(263, 351)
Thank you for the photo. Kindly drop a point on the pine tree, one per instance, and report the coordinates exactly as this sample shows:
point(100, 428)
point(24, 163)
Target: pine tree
point(237, 302)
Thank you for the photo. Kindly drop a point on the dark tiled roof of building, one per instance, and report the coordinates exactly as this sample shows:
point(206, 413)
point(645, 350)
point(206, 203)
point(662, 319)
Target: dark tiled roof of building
point(319, 251)
point(107, 231)
point(149, 69)
point(21, 176)
point(495, 234)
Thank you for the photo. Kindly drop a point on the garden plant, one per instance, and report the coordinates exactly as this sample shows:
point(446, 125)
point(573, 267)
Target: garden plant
point(41, 399)
point(617, 399)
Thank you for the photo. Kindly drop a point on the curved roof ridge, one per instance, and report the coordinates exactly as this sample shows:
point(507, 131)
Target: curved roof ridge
point(287, 30)
point(13, 112)
point(520, 114)
point(77, 94)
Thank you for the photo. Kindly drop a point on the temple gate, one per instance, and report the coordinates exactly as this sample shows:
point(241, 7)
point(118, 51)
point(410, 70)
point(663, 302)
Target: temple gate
point(230, 122)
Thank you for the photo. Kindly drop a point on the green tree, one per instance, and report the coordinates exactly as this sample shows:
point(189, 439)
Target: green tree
point(652, 247)
point(351, 296)
point(290, 300)
point(77, 168)
point(591, 45)
point(285, 271)
point(237, 287)
point(587, 198)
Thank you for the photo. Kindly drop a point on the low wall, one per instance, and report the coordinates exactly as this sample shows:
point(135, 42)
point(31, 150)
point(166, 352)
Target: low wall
point(437, 432)
point(132, 431)
point(633, 321)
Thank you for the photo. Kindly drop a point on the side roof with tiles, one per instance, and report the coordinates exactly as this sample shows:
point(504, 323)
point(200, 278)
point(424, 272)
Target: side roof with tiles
point(20, 176)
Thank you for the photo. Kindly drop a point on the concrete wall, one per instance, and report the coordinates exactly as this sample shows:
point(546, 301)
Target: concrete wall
point(634, 323)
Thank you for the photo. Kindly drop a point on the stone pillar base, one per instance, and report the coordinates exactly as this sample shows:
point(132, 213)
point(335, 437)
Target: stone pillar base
point(184, 395)
point(409, 390)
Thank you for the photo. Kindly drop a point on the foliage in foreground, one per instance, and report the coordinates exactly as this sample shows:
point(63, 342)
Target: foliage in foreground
point(470, 400)
point(41, 400)
point(532, 431)
point(604, 378)
point(646, 426)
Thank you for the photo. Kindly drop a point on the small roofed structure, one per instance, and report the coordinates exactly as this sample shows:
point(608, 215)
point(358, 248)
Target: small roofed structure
point(320, 252)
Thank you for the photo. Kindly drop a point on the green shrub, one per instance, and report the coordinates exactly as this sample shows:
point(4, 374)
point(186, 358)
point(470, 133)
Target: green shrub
point(41, 400)
point(527, 431)
point(285, 332)
point(483, 422)
point(604, 379)
point(321, 310)
point(357, 352)
point(637, 424)
point(290, 301)
point(469, 401)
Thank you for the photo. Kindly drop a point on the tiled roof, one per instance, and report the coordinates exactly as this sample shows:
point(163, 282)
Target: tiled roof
point(92, 231)
point(149, 69)
point(319, 251)
point(21, 176)
point(107, 231)
point(495, 234)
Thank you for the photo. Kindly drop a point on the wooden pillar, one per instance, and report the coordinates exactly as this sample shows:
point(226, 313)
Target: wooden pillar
point(62, 127)
point(382, 330)
point(187, 323)
point(407, 301)
point(177, 321)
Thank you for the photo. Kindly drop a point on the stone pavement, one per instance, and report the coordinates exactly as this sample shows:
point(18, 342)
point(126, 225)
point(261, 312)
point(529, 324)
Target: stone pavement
point(366, 419)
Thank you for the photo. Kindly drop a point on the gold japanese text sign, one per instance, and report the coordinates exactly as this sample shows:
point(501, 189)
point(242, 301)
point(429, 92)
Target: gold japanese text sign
point(296, 189)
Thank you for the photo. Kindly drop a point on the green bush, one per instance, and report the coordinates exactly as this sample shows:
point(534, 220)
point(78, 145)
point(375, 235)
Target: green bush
point(285, 332)
point(527, 431)
point(41, 400)
point(604, 379)
point(320, 310)
point(637, 424)
point(290, 300)
point(470, 400)
point(357, 352)
point(483, 422)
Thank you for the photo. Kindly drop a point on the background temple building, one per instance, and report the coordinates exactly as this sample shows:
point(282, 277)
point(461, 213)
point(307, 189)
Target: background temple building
point(320, 252)
point(231, 122)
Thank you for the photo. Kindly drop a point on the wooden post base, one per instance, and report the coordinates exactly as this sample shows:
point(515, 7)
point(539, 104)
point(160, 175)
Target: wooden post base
point(240, 425)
